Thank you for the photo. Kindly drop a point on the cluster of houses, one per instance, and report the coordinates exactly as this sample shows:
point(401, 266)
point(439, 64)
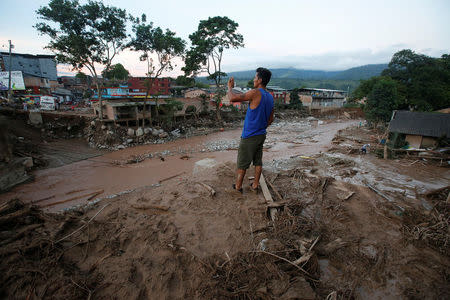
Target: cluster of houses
point(35, 76)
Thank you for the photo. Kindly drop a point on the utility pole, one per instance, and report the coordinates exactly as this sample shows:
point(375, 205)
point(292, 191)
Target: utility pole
point(9, 83)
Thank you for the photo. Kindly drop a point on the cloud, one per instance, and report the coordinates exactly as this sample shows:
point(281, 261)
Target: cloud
point(250, 58)
point(330, 61)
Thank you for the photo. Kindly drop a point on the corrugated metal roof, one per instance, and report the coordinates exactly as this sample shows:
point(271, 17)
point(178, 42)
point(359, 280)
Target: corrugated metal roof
point(420, 123)
point(120, 104)
point(321, 90)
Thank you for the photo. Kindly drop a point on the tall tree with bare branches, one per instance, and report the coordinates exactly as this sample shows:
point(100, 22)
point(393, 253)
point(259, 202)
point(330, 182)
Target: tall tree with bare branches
point(210, 40)
point(154, 42)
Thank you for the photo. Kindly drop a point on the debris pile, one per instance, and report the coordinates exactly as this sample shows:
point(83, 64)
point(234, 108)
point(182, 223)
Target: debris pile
point(432, 227)
point(33, 265)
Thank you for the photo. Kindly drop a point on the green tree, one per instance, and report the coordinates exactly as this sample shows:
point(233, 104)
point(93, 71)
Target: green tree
point(294, 101)
point(201, 85)
point(81, 75)
point(250, 84)
point(169, 109)
point(84, 35)
point(422, 80)
point(212, 37)
point(164, 45)
point(364, 88)
point(382, 100)
point(185, 81)
point(116, 72)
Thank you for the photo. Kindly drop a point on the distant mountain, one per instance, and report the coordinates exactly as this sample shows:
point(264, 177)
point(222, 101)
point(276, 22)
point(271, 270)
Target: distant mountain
point(357, 73)
point(362, 72)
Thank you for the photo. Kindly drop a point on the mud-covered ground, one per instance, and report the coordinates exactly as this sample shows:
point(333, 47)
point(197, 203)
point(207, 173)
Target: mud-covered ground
point(349, 226)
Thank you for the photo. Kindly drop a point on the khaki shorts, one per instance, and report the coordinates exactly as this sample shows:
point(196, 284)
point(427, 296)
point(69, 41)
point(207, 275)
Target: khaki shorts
point(250, 150)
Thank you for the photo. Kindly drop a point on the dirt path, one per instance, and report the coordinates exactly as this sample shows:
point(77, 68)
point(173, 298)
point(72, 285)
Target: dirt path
point(110, 173)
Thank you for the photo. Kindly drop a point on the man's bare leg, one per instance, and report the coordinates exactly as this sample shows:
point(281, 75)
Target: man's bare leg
point(258, 170)
point(240, 178)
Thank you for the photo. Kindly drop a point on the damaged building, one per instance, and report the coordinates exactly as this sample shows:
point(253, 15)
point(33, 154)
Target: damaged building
point(421, 129)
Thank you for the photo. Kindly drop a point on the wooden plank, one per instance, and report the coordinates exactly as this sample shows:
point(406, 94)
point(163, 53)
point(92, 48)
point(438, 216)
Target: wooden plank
point(268, 197)
point(265, 189)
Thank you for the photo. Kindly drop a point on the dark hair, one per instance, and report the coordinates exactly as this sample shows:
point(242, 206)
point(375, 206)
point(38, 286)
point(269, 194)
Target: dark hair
point(264, 74)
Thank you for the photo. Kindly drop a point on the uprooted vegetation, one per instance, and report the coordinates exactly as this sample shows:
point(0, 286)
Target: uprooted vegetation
point(330, 240)
point(431, 228)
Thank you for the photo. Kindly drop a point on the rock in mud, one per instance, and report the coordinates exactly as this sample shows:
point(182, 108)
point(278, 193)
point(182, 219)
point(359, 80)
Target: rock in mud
point(163, 134)
point(28, 162)
point(130, 132)
point(155, 132)
point(13, 175)
point(147, 130)
point(129, 141)
point(204, 164)
point(35, 118)
point(139, 132)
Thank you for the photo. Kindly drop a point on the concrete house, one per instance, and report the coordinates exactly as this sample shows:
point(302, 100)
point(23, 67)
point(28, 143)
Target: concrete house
point(39, 71)
point(279, 94)
point(422, 129)
point(195, 93)
point(319, 98)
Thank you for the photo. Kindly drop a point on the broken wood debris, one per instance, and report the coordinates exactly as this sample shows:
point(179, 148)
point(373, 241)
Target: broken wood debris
point(147, 206)
point(274, 189)
point(90, 196)
point(283, 259)
point(272, 211)
point(384, 196)
point(309, 253)
point(84, 225)
point(170, 177)
point(210, 189)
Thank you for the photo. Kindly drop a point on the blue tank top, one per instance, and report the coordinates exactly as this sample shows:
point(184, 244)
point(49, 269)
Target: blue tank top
point(256, 119)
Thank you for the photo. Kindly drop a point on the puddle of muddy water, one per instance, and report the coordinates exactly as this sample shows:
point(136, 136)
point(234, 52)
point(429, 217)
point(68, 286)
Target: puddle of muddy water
point(109, 174)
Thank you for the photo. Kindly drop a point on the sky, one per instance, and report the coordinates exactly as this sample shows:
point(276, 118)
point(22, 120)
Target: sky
point(314, 35)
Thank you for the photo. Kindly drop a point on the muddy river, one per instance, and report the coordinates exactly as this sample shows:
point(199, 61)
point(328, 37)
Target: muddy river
point(108, 174)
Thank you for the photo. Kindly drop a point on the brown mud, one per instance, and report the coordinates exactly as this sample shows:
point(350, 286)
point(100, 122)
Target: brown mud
point(349, 226)
point(115, 172)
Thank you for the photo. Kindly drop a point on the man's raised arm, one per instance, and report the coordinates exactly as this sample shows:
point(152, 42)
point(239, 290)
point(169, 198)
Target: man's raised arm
point(239, 97)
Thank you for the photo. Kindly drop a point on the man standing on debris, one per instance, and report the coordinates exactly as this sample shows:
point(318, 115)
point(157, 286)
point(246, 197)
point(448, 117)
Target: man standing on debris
point(259, 116)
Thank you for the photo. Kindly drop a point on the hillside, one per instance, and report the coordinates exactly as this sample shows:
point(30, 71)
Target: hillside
point(357, 73)
point(362, 72)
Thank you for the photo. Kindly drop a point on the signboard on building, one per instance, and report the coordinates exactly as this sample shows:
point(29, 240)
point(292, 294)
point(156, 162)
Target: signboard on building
point(16, 81)
point(48, 103)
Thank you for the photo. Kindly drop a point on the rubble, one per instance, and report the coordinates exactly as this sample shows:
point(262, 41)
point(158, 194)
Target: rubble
point(190, 236)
